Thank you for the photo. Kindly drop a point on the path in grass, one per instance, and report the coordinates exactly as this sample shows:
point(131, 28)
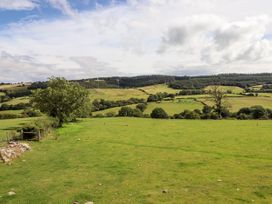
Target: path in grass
point(127, 160)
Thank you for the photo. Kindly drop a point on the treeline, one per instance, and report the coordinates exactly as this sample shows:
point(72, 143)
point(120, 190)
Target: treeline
point(16, 93)
point(241, 80)
point(179, 82)
point(176, 82)
point(102, 104)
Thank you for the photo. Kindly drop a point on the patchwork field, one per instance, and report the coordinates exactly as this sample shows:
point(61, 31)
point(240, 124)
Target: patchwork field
point(128, 160)
point(158, 88)
point(233, 89)
point(236, 103)
point(171, 107)
point(116, 94)
point(18, 100)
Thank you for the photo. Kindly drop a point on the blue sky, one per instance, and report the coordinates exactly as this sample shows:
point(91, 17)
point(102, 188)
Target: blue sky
point(95, 38)
point(45, 10)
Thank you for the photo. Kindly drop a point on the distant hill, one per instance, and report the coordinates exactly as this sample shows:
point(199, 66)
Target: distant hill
point(176, 82)
point(180, 82)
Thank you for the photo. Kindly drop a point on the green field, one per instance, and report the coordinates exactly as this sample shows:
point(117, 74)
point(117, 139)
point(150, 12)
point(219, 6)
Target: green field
point(15, 101)
point(233, 89)
point(9, 125)
point(17, 112)
point(128, 160)
point(158, 88)
point(116, 94)
point(171, 107)
point(235, 103)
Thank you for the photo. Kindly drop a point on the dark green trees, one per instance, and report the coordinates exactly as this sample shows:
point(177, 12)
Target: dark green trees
point(62, 99)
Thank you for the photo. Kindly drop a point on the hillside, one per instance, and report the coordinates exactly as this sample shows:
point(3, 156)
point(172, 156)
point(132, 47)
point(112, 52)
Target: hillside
point(126, 160)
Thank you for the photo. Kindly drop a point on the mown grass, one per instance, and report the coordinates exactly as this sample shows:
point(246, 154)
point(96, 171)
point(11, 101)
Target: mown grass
point(116, 94)
point(176, 106)
point(171, 107)
point(158, 88)
point(17, 112)
point(126, 160)
point(15, 101)
point(235, 103)
point(11, 125)
point(233, 89)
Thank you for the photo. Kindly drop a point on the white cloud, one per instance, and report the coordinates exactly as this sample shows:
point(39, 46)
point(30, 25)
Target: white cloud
point(64, 6)
point(146, 37)
point(18, 4)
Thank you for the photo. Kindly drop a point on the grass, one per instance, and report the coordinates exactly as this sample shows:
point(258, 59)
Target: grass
point(171, 107)
point(17, 112)
point(116, 94)
point(176, 106)
point(158, 88)
point(2, 94)
point(236, 103)
point(127, 160)
point(11, 124)
point(233, 89)
point(15, 101)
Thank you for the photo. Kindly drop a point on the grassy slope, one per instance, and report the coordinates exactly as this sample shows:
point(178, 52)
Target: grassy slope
point(116, 94)
point(158, 88)
point(11, 124)
point(177, 106)
point(170, 107)
point(18, 100)
point(233, 89)
point(125, 160)
point(238, 102)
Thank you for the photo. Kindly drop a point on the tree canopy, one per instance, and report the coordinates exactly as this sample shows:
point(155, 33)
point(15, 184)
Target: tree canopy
point(62, 99)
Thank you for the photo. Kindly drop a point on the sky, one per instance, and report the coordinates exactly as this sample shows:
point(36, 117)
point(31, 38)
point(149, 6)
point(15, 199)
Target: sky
point(97, 38)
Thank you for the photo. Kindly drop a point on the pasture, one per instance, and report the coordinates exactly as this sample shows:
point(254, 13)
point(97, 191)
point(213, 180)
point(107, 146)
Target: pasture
point(116, 94)
point(129, 160)
point(171, 107)
point(158, 88)
point(232, 89)
point(235, 103)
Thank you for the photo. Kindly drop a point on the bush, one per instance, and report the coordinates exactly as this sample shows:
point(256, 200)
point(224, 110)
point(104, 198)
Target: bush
point(31, 113)
point(258, 112)
point(126, 112)
point(110, 114)
point(159, 113)
point(137, 113)
point(142, 106)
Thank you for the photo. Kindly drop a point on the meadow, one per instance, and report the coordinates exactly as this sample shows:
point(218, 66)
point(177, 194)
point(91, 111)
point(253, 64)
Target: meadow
point(129, 160)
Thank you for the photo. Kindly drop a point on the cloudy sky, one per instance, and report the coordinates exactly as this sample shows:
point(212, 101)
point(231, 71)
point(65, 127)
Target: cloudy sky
point(92, 38)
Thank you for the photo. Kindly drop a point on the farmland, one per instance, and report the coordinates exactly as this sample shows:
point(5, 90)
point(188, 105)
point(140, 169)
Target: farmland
point(126, 160)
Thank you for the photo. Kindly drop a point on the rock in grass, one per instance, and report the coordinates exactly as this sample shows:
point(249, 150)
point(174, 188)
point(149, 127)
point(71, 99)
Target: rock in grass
point(164, 191)
point(89, 202)
point(11, 193)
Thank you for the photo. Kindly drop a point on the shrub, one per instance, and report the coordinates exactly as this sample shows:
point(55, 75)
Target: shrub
point(137, 113)
point(258, 112)
point(141, 106)
point(159, 113)
point(31, 113)
point(110, 114)
point(126, 112)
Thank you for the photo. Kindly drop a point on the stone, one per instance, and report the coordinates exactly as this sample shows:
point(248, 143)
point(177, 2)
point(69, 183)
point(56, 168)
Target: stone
point(11, 193)
point(89, 202)
point(13, 150)
point(164, 191)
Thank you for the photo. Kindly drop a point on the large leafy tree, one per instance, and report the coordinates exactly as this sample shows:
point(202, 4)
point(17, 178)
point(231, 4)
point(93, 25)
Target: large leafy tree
point(62, 99)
